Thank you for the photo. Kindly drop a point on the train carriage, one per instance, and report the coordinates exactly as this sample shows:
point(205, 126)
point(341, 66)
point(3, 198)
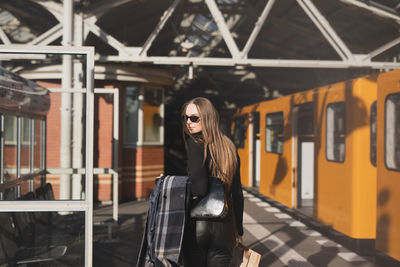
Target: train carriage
point(388, 164)
point(314, 151)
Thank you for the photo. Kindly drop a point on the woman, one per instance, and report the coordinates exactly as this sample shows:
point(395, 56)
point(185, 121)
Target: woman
point(210, 153)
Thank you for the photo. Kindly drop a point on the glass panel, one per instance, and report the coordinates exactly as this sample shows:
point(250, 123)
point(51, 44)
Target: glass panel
point(335, 132)
point(131, 115)
point(10, 147)
point(392, 132)
point(42, 238)
point(10, 128)
point(274, 133)
point(239, 132)
point(151, 115)
point(26, 145)
point(37, 146)
point(373, 134)
point(24, 186)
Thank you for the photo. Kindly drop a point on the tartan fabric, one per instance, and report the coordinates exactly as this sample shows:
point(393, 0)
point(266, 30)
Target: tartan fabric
point(170, 219)
point(162, 239)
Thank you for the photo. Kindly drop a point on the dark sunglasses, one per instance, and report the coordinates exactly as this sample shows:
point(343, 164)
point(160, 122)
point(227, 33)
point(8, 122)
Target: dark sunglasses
point(192, 118)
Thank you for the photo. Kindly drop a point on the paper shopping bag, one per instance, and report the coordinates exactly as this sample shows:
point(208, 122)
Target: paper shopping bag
point(244, 257)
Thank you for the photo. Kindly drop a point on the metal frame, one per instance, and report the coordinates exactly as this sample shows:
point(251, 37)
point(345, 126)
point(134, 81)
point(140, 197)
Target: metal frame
point(87, 204)
point(139, 53)
point(114, 170)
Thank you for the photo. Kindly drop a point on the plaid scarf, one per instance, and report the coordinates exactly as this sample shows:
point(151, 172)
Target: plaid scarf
point(170, 219)
point(162, 239)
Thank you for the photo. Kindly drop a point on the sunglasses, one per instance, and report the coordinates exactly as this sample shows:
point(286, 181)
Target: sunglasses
point(194, 119)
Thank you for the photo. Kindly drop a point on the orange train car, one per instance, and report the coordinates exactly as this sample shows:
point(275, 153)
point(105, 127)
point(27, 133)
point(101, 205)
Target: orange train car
point(388, 164)
point(316, 151)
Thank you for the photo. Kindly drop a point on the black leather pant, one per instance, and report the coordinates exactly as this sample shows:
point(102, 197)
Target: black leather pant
point(208, 243)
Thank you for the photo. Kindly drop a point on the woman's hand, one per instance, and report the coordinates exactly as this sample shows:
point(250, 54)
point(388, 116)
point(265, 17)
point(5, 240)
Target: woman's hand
point(239, 240)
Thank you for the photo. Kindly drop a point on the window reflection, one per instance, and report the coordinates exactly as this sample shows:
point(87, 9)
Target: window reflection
point(274, 133)
point(335, 132)
point(151, 115)
point(131, 115)
point(10, 148)
point(392, 131)
point(42, 239)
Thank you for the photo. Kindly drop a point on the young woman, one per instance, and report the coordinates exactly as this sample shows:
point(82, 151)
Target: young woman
point(210, 243)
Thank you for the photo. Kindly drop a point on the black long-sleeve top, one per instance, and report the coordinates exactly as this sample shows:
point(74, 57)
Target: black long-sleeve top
point(198, 174)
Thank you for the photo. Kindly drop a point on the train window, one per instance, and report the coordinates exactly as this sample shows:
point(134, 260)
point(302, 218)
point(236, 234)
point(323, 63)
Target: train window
point(152, 122)
point(392, 131)
point(274, 133)
point(335, 132)
point(373, 134)
point(131, 115)
point(239, 132)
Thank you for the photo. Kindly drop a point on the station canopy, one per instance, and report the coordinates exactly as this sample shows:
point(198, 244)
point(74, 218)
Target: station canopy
point(236, 52)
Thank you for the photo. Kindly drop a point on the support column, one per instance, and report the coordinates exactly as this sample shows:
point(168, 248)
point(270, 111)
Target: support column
point(65, 149)
point(77, 114)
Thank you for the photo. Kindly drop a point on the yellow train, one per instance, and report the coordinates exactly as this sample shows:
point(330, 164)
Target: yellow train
point(333, 152)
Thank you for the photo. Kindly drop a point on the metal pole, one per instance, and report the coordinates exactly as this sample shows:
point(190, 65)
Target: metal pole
point(89, 157)
point(115, 155)
point(43, 139)
point(19, 140)
point(65, 146)
point(32, 152)
point(77, 114)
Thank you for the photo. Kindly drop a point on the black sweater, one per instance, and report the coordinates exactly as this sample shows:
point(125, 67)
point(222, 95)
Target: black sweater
point(198, 173)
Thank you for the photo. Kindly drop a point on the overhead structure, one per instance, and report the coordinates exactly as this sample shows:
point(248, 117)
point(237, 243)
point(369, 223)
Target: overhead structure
point(257, 36)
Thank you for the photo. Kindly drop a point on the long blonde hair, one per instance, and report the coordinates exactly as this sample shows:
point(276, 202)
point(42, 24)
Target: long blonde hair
point(223, 159)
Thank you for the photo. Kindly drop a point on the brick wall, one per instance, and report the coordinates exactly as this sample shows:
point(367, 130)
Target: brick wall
point(141, 166)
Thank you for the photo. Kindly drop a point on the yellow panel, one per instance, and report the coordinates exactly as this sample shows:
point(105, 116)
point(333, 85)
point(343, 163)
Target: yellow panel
point(345, 191)
point(388, 184)
point(276, 176)
point(364, 175)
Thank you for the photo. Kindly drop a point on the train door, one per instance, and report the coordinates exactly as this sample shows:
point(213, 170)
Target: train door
point(305, 157)
point(256, 151)
point(388, 164)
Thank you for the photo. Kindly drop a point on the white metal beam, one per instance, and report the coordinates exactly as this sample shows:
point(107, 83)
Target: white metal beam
point(374, 9)
point(257, 28)
point(273, 63)
point(4, 37)
point(325, 28)
point(382, 48)
point(167, 14)
point(107, 38)
point(223, 28)
point(48, 36)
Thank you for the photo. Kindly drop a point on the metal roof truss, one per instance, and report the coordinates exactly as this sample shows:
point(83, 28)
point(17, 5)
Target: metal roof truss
point(238, 58)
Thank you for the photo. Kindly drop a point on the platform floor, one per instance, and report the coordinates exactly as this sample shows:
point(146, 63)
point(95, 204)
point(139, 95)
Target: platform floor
point(282, 238)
